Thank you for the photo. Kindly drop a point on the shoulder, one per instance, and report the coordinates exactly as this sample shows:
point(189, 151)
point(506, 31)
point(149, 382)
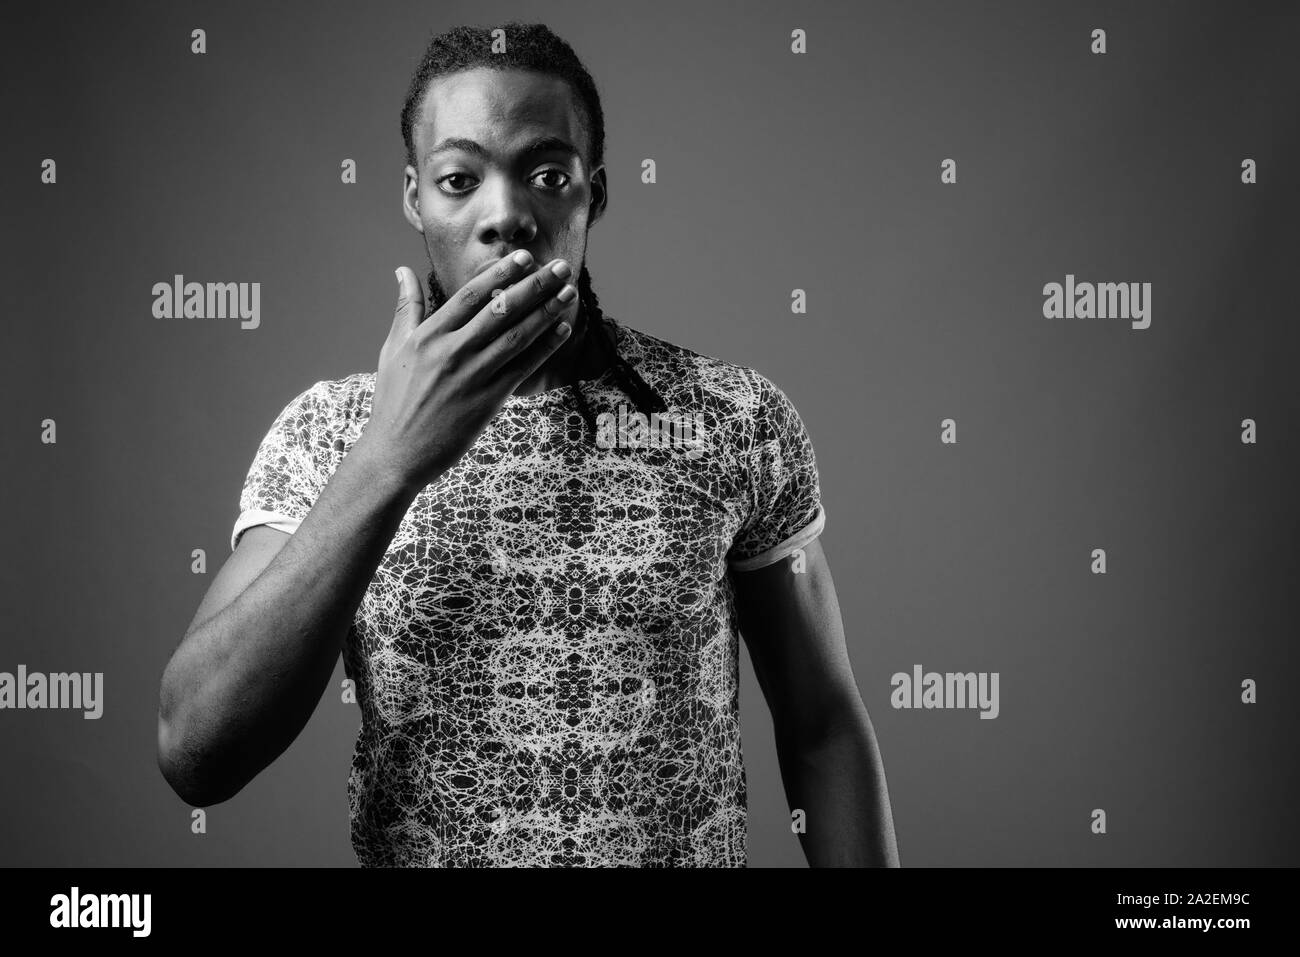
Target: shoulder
point(327, 412)
point(689, 378)
point(341, 398)
point(347, 398)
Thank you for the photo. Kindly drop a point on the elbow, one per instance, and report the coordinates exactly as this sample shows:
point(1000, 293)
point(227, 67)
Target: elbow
point(184, 769)
point(176, 771)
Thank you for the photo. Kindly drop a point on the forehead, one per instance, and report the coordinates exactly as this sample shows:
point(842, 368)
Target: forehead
point(497, 108)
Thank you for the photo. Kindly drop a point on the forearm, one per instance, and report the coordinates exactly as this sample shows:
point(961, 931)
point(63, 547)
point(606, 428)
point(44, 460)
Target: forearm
point(838, 779)
point(243, 684)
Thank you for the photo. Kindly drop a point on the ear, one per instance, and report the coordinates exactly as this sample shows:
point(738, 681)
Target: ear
point(411, 199)
point(599, 196)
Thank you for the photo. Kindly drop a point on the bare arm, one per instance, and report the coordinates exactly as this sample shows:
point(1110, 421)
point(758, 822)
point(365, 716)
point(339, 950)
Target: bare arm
point(254, 663)
point(830, 763)
point(245, 680)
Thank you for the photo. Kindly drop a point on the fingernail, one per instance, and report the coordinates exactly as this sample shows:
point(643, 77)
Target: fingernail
point(561, 330)
point(398, 273)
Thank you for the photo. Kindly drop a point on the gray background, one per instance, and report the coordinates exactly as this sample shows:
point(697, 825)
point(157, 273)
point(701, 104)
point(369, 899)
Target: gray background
point(775, 171)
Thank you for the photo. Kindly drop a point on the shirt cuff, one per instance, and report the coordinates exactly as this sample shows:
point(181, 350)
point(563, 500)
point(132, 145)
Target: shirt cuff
point(259, 516)
point(777, 552)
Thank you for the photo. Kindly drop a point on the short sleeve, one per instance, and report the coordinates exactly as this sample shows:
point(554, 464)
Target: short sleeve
point(285, 479)
point(786, 512)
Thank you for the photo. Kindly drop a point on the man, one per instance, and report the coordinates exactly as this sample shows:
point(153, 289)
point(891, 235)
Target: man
point(539, 603)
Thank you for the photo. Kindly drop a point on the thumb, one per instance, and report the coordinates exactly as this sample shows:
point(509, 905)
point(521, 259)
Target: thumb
point(410, 300)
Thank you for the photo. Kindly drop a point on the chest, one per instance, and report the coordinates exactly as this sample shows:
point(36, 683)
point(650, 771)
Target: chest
point(534, 523)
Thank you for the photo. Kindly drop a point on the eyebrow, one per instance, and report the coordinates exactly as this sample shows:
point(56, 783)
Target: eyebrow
point(542, 144)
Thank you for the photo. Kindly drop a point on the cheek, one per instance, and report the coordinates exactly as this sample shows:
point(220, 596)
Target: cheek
point(572, 234)
point(446, 253)
point(445, 245)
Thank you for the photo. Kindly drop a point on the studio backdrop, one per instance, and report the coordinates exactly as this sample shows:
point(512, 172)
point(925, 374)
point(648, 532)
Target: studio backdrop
point(1026, 269)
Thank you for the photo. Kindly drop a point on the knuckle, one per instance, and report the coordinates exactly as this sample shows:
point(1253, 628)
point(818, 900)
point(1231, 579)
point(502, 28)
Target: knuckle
point(470, 296)
point(449, 358)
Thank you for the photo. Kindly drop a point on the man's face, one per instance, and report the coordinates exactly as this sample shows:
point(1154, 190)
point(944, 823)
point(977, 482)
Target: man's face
point(475, 207)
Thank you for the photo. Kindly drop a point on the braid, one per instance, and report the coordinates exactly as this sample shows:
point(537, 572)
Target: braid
point(646, 399)
point(588, 417)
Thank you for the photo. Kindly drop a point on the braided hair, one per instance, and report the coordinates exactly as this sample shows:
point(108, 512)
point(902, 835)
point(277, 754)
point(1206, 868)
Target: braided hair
point(646, 399)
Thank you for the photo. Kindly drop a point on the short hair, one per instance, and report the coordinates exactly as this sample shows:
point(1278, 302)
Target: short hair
point(528, 46)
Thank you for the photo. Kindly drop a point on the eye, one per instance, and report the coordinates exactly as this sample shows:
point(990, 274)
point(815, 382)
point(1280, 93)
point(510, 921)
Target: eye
point(443, 179)
point(554, 172)
point(552, 187)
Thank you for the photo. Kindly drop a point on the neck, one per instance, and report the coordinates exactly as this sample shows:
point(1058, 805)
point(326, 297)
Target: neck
point(580, 355)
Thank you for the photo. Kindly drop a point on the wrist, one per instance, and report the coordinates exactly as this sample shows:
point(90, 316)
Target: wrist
point(382, 467)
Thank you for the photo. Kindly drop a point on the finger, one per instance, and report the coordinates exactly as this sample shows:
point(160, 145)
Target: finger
point(532, 358)
point(472, 297)
point(515, 339)
point(410, 301)
point(515, 303)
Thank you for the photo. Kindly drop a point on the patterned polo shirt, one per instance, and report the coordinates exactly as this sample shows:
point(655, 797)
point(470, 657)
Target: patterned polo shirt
point(546, 659)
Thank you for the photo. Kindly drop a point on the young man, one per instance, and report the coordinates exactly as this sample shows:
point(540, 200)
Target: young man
point(536, 585)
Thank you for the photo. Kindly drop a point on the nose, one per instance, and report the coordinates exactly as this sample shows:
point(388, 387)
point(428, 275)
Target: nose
point(507, 216)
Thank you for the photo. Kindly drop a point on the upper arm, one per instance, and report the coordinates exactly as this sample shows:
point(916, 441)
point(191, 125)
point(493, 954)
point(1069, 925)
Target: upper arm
point(791, 624)
point(281, 485)
point(256, 549)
